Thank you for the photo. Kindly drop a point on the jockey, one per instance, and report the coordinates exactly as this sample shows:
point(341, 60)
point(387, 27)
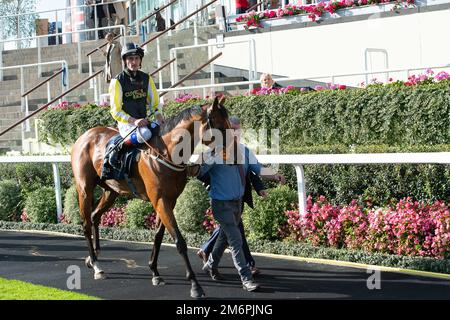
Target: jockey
point(133, 98)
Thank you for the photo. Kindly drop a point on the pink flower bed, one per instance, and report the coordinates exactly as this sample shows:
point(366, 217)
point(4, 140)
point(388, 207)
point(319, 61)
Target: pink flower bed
point(314, 11)
point(416, 79)
point(186, 97)
point(150, 221)
point(425, 78)
point(114, 217)
point(64, 105)
point(409, 228)
point(264, 91)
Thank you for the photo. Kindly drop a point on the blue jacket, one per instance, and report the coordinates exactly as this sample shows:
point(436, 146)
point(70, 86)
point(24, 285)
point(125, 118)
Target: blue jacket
point(251, 180)
point(225, 179)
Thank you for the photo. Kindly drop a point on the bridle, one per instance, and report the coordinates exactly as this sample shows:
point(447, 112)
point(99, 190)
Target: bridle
point(209, 120)
point(168, 162)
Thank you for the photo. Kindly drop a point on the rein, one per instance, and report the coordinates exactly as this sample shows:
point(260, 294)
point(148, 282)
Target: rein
point(161, 159)
point(167, 162)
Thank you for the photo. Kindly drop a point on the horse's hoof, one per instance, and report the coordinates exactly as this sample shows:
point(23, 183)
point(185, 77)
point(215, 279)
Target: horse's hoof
point(99, 276)
point(88, 262)
point(197, 293)
point(158, 281)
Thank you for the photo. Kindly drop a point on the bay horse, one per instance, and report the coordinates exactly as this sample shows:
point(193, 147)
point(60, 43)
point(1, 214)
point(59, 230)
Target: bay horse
point(155, 176)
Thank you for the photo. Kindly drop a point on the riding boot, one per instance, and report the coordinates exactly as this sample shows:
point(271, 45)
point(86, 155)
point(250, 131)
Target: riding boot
point(114, 156)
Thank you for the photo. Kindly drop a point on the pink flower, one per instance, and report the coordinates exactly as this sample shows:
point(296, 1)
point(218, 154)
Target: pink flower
point(319, 88)
point(442, 76)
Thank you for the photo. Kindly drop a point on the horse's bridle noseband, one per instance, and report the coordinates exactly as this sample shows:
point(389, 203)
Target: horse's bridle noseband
point(170, 164)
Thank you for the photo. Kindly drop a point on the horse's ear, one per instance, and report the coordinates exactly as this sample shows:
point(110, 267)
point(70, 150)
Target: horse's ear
point(214, 106)
point(215, 103)
point(222, 100)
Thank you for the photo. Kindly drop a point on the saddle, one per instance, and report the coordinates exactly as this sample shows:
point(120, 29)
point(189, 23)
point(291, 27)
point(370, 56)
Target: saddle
point(122, 167)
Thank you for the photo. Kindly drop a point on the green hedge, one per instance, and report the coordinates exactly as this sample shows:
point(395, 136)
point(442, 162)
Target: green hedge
point(392, 115)
point(31, 176)
point(135, 212)
point(71, 209)
point(40, 205)
point(262, 246)
point(11, 200)
point(377, 119)
point(65, 126)
point(191, 206)
point(264, 220)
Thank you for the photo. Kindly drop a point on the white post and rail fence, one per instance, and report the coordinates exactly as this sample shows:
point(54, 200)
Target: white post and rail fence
point(298, 161)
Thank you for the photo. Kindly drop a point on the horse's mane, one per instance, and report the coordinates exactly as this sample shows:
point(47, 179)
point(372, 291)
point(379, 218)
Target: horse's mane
point(186, 114)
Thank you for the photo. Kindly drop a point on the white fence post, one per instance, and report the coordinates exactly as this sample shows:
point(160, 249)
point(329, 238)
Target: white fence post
point(39, 52)
point(301, 189)
point(57, 190)
point(158, 58)
point(1, 49)
point(80, 64)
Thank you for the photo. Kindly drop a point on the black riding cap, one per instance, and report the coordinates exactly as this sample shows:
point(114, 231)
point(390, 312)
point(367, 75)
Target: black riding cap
point(132, 49)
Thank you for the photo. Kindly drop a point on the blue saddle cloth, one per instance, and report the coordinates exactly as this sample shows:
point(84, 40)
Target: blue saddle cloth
point(124, 163)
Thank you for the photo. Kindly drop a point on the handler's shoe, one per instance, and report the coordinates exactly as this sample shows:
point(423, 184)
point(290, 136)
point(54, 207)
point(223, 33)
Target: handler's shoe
point(203, 255)
point(255, 271)
point(250, 285)
point(213, 272)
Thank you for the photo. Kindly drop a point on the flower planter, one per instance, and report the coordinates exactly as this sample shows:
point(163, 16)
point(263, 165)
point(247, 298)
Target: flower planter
point(347, 12)
point(274, 22)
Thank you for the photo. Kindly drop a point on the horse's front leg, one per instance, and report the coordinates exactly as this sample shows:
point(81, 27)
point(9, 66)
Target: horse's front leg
point(165, 211)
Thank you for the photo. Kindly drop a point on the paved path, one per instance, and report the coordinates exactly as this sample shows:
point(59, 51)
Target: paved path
point(44, 259)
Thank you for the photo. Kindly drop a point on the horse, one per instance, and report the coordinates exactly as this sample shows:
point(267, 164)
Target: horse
point(156, 177)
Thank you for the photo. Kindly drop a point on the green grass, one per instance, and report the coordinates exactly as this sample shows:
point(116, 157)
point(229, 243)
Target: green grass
point(19, 290)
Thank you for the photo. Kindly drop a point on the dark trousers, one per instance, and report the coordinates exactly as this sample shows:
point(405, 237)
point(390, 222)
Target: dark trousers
point(208, 246)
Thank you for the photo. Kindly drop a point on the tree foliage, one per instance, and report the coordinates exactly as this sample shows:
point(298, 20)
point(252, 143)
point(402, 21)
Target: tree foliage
point(22, 27)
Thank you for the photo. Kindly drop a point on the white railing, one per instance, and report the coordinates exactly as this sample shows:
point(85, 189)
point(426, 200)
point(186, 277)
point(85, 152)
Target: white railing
point(252, 74)
point(184, 6)
point(24, 100)
point(72, 11)
point(293, 159)
point(79, 56)
point(362, 158)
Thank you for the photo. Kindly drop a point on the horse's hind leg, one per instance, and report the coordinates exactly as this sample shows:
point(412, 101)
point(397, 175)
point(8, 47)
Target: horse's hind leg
point(157, 280)
point(106, 201)
point(85, 197)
